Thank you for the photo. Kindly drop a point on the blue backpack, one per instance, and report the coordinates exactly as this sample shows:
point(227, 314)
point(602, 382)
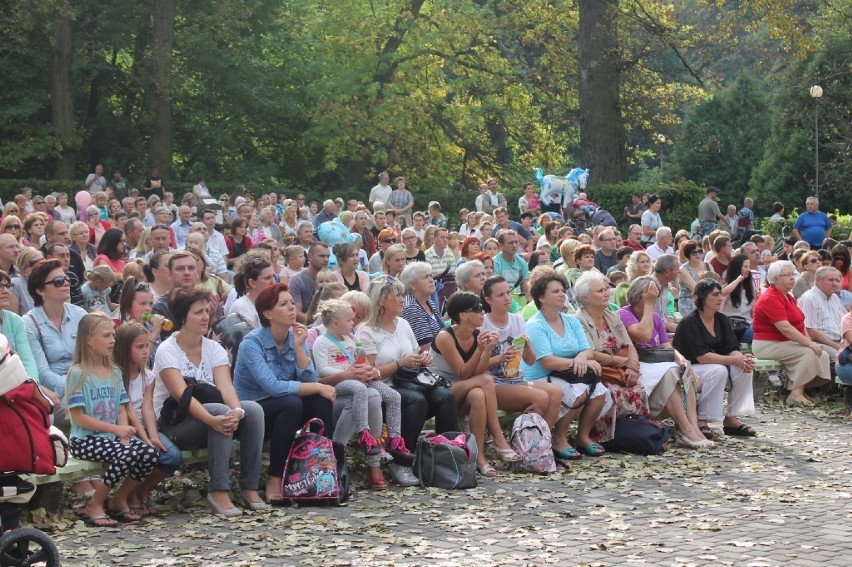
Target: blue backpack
point(635, 434)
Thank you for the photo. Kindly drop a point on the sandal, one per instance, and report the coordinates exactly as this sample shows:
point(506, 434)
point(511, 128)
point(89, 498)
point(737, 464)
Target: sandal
point(741, 430)
point(99, 522)
point(708, 433)
point(508, 455)
point(592, 450)
point(125, 516)
point(487, 470)
point(378, 481)
point(569, 454)
point(684, 441)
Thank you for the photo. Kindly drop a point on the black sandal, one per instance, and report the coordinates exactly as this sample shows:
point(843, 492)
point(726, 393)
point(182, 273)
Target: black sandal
point(741, 430)
point(708, 433)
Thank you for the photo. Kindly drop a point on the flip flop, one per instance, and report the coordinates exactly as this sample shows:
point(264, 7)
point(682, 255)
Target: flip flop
point(487, 470)
point(569, 454)
point(742, 430)
point(592, 450)
point(100, 522)
point(125, 516)
point(708, 433)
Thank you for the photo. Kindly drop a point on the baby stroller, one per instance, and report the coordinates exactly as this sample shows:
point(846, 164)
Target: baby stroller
point(30, 445)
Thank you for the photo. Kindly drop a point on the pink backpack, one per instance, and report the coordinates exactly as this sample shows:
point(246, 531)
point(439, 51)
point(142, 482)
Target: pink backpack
point(532, 440)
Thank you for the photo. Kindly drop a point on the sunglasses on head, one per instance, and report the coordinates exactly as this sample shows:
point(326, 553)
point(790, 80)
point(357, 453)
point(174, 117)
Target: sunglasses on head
point(59, 281)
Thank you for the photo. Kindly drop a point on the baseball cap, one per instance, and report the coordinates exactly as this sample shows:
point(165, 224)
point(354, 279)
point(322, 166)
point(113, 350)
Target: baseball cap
point(712, 189)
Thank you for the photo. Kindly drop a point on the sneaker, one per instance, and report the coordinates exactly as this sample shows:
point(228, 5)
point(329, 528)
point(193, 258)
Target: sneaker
point(403, 476)
point(774, 379)
point(368, 443)
point(396, 447)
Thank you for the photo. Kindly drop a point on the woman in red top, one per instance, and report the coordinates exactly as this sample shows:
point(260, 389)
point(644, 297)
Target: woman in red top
point(239, 242)
point(779, 334)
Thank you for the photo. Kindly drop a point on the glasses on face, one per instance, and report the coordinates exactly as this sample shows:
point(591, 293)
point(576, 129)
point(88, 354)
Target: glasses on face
point(813, 261)
point(389, 240)
point(475, 309)
point(5, 286)
point(60, 281)
point(14, 227)
point(697, 252)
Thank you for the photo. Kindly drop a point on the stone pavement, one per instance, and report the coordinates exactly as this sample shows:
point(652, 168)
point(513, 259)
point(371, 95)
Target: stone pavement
point(784, 498)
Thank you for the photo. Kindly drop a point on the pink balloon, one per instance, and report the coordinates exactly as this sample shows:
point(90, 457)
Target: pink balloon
point(83, 199)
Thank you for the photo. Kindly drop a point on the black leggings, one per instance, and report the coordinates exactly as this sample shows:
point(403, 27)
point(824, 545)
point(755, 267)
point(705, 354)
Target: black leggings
point(283, 416)
point(417, 407)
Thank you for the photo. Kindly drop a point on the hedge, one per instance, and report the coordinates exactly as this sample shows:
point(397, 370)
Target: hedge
point(680, 200)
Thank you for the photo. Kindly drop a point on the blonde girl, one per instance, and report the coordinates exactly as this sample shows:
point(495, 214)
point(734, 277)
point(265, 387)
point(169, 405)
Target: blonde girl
point(100, 424)
point(131, 353)
point(339, 363)
point(96, 290)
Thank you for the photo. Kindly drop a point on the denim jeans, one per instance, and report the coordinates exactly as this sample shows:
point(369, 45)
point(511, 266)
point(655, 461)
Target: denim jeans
point(172, 459)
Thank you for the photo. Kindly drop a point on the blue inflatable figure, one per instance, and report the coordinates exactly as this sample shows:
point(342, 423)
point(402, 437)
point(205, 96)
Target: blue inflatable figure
point(331, 232)
point(558, 191)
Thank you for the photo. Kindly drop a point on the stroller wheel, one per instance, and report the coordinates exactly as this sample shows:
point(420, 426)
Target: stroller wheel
point(27, 546)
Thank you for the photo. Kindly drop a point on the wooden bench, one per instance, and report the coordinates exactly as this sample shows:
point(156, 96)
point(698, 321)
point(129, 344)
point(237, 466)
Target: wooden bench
point(76, 470)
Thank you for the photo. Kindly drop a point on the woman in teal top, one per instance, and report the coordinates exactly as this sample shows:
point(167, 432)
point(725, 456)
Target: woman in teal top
point(13, 328)
point(560, 344)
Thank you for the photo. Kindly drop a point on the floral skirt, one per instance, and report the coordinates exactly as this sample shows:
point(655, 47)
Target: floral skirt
point(625, 400)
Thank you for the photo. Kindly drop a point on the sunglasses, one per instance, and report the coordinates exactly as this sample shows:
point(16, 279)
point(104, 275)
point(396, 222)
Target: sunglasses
point(697, 252)
point(59, 281)
point(813, 261)
point(389, 240)
point(475, 309)
point(14, 227)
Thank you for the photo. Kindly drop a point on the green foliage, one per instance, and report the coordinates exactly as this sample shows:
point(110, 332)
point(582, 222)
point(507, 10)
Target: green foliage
point(680, 200)
point(722, 139)
point(787, 169)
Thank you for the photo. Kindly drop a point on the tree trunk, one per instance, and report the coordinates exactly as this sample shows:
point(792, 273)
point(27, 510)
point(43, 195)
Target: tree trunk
point(160, 92)
point(62, 94)
point(602, 137)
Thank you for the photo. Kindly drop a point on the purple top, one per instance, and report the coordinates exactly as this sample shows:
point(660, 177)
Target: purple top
point(660, 336)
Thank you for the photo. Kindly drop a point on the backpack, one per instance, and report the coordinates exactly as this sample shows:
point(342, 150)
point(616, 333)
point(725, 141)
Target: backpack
point(315, 472)
point(531, 438)
point(635, 434)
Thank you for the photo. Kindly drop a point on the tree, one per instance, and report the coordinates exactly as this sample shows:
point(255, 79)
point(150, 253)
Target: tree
point(722, 139)
point(62, 92)
point(160, 89)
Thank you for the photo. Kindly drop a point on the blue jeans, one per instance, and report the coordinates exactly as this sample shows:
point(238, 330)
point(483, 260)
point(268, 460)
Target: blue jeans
point(706, 227)
point(748, 335)
point(844, 373)
point(172, 459)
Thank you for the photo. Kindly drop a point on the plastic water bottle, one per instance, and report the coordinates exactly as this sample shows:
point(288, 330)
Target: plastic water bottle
point(167, 324)
point(360, 354)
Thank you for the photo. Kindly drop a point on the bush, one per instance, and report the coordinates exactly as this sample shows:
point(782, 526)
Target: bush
point(680, 200)
point(841, 229)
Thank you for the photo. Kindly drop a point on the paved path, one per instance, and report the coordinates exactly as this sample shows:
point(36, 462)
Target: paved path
point(784, 498)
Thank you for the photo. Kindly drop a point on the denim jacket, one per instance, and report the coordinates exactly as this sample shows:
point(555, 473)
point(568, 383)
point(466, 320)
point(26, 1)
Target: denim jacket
point(263, 371)
point(53, 348)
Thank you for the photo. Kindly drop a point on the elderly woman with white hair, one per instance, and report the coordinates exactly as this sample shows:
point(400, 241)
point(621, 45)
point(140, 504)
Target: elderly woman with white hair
point(613, 349)
point(419, 309)
point(663, 380)
point(779, 334)
point(470, 276)
point(97, 227)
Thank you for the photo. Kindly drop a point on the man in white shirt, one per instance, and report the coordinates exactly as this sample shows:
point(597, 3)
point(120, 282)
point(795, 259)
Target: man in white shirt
point(215, 239)
point(96, 182)
point(823, 310)
point(662, 245)
point(382, 191)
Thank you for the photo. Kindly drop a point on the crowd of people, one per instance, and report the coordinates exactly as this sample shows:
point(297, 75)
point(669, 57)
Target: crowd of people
point(111, 309)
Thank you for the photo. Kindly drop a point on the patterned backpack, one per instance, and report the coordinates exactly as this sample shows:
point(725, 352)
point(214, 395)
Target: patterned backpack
point(315, 472)
point(532, 440)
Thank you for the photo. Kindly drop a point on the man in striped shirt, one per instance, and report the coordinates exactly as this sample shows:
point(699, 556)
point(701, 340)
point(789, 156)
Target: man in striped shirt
point(823, 310)
point(439, 256)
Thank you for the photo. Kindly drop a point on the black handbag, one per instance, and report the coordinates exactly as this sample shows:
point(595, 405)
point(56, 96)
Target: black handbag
point(739, 325)
point(656, 354)
point(175, 411)
point(420, 379)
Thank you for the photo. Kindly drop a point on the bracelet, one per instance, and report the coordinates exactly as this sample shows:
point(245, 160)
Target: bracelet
point(398, 365)
point(241, 411)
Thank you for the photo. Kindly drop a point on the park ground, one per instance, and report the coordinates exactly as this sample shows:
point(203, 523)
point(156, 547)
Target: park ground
point(783, 498)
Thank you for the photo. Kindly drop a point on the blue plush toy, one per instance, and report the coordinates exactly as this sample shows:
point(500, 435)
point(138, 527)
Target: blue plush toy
point(331, 232)
point(561, 190)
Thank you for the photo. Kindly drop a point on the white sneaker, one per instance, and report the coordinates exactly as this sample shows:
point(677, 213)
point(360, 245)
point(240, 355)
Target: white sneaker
point(774, 379)
point(403, 475)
